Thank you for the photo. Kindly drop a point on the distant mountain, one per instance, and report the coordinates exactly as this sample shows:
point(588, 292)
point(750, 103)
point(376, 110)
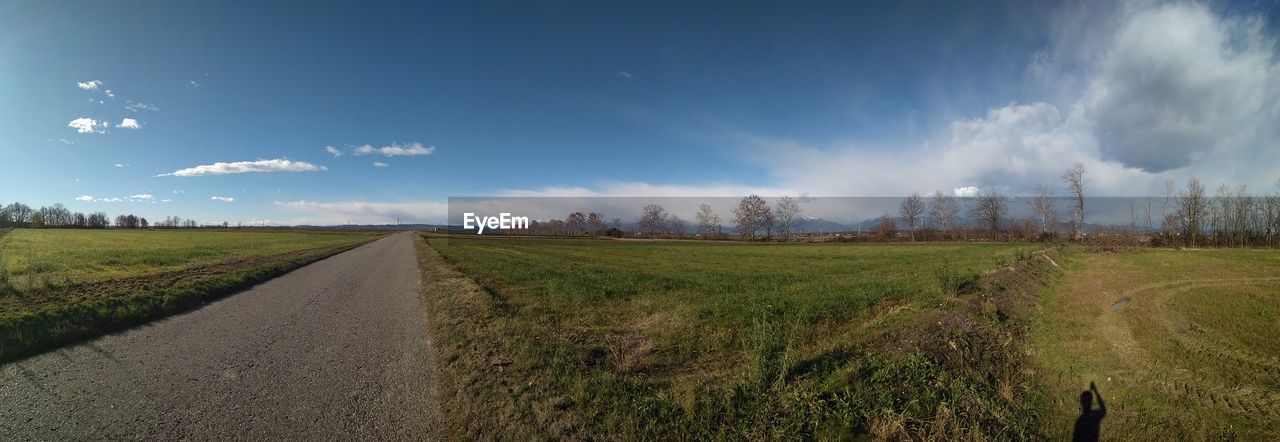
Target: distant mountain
point(820, 225)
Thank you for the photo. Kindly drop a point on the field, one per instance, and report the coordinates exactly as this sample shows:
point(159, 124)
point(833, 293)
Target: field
point(579, 338)
point(1179, 342)
point(58, 285)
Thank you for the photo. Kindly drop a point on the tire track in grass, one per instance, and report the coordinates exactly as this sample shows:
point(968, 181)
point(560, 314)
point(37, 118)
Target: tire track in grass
point(1179, 381)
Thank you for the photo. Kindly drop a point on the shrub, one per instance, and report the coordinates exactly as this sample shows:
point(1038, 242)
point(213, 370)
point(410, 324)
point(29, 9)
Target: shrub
point(954, 282)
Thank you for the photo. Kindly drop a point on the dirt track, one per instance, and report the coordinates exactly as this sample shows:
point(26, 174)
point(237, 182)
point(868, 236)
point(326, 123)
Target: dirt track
point(334, 350)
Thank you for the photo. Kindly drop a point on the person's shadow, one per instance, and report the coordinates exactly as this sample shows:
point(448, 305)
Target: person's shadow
point(1089, 424)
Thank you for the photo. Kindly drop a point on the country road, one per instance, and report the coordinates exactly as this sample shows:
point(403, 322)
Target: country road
point(336, 350)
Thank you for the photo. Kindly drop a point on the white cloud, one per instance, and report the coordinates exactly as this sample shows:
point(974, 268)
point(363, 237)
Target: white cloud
point(66, 141)
point(91, 85)
point(966, 191)
point(194, 83)
point(121, 165)
point(109, 94)
point(276, 165)
point(224, 199)
point(139, 198)
point(1179, 83)
point(129, 123)
point(366, 212)
point(380, 164)
point(624, 74)
point(333, 151)
point(394, 150)
point(1155, 94)
point(86, 125)
point(641, 189)
point(139, 106)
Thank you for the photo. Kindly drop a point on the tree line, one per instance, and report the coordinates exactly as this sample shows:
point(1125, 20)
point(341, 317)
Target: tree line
point(58, 216)
point(1187, 217)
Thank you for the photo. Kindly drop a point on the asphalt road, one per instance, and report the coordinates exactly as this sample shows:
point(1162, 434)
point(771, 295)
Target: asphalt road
point(334, 350)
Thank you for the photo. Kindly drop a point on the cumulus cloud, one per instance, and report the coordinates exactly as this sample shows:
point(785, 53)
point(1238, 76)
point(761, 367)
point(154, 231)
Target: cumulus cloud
point(91, 85)
point(394, 150)
point(1154, 94)
point(86, 125)
point(85, 198)
point(223, 199)
point(333, 151)
point(142, 197)
point(366, 212)
point(966, 191)
point(1179, 83)
point(129, 123)
point(276, 165)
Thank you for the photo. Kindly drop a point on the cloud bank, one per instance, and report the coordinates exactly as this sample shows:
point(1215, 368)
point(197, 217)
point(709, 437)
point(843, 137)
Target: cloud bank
point(276, 165)
point(365, 212)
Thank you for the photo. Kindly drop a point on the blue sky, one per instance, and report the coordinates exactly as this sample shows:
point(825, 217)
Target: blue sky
point(607, 98)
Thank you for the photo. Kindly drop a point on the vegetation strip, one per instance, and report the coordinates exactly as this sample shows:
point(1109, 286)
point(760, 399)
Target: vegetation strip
point(622, 351)
point(46, 315)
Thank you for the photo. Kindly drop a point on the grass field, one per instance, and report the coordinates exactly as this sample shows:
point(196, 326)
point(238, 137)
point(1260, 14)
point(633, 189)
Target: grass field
point(58, 285)
point(580, 338)
point(1181, 343)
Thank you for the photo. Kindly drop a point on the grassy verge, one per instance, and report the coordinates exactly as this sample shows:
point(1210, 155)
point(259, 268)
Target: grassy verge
point(1179, 342)
point(624, 340)
point(49, 298)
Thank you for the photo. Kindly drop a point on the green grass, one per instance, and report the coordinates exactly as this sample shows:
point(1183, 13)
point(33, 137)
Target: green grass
point(61, 255)
point(688, 340)
point(1179, 342)
point(58, 285)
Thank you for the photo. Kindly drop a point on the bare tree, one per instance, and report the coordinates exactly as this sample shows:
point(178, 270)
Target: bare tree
point(653, 221)
point(943, 210)
point(886, 229)
point(751, 215)
point(787, 215)
point(19, 213)
point(577, 223)
point(990, 209)
point(595, 221)
point(678, 226)
point(910, 210)
point(1075, 184)
point(1271, 217)
point(1042, 206)
point(1191, 210)
point(708, 219)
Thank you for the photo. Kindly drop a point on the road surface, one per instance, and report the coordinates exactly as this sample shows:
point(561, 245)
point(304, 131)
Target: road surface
point(336, 350)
